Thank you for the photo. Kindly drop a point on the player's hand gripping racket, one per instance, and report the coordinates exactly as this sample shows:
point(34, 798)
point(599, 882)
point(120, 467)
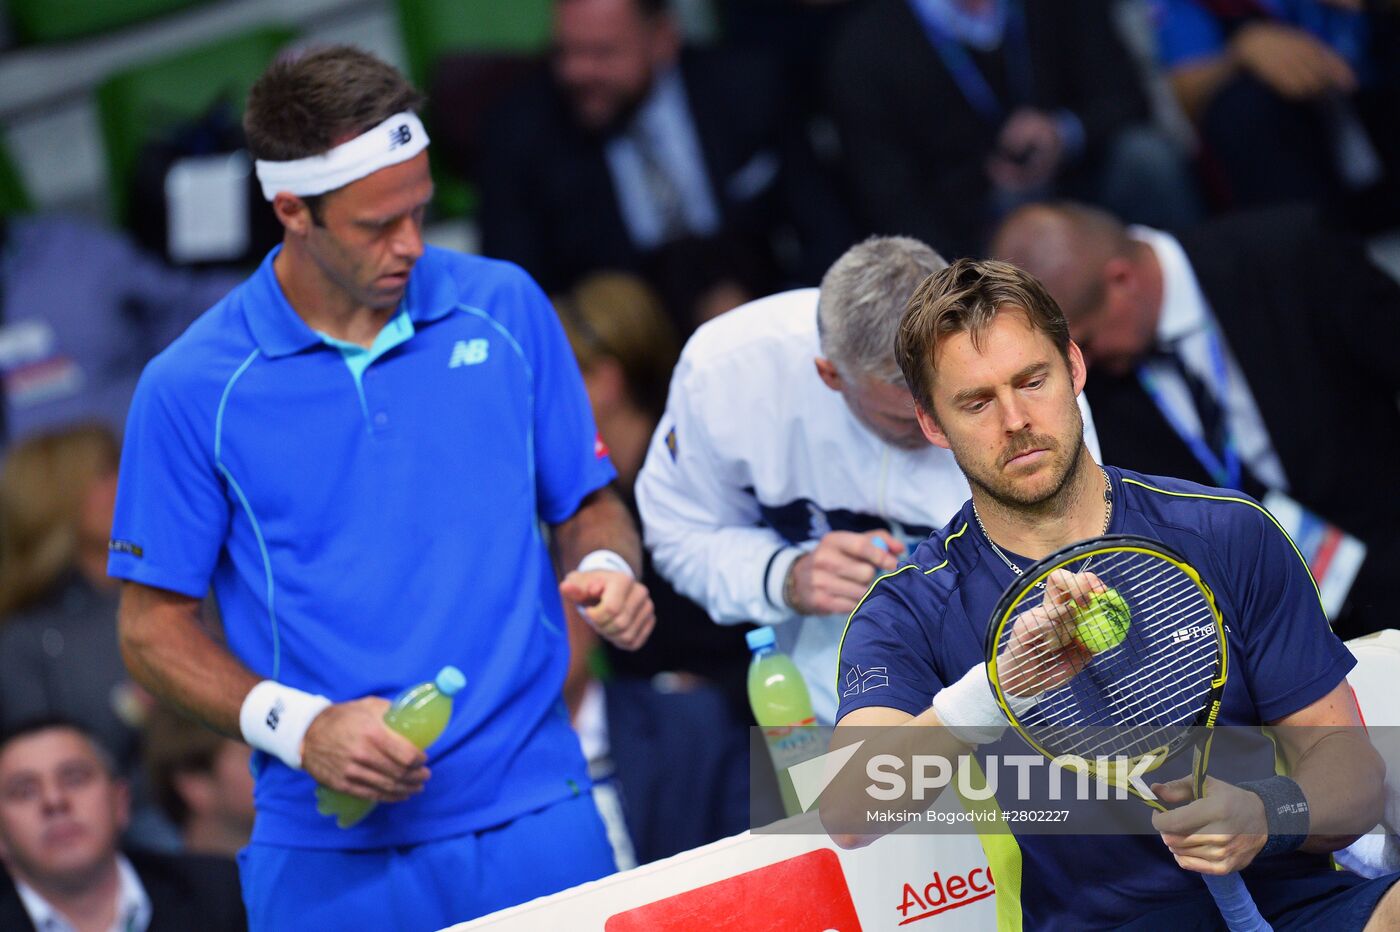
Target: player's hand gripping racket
point(1114, 648)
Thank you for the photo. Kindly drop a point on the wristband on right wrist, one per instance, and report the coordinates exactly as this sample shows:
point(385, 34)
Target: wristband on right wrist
point(274, 718)
point(608, 560)
point(1286, 809)
point(969, 710)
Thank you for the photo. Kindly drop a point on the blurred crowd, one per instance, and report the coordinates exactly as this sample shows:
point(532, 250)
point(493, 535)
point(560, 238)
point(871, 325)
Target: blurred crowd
point(651, 186)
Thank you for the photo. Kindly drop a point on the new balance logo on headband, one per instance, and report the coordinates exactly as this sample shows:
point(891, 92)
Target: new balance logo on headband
point(394, 140)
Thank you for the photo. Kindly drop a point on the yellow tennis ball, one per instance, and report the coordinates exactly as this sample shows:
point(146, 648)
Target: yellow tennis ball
point(1103, 623)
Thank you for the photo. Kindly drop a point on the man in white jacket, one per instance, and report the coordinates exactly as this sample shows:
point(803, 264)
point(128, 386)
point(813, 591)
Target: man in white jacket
point(788, 470)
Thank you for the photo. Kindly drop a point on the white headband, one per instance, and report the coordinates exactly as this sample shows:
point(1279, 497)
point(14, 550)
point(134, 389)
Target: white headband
point(396, 140)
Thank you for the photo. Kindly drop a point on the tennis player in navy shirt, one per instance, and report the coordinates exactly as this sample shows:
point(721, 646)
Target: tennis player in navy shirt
point(357, 450)
point(987, 353)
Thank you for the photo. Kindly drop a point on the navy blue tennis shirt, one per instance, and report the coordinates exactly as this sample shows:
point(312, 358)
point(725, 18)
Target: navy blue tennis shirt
point(924, 626)
point(366, 516)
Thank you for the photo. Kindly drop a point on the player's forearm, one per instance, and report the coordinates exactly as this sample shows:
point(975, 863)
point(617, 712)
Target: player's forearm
point(602, 522)
point(1343, 779)
point(168, 652)
point(869, 781)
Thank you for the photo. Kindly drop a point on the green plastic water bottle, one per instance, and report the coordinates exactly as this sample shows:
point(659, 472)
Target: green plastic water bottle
point(783, 709)
point(420, 714)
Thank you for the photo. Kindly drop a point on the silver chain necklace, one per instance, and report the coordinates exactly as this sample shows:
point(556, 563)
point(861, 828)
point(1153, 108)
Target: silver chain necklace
point(1107, 517)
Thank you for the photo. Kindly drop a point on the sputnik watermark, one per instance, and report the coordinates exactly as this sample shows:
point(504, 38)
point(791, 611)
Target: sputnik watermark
point(1097, 778)
point(924, 776)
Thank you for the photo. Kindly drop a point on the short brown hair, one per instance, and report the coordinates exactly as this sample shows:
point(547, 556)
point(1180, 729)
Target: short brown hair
point(965, 297)
point(307, 102)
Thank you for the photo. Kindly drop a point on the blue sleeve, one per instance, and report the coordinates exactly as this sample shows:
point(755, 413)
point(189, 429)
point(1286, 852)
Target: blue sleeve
point(884, 659)
point(171, 514)
point(1291, 658)
point(1185, 31)
point(570, 460)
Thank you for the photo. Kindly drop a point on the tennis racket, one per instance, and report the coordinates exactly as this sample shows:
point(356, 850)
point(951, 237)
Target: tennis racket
point(1111, 652)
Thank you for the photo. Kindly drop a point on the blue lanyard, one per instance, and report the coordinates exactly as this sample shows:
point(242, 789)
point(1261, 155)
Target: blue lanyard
point(971, 82)
point(1226, 473)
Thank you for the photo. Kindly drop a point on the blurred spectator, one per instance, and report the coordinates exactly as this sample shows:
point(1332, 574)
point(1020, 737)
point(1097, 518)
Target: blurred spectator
point(1253, 353)
point(202, 781)
point(1294, 99)
point(683, 168)
point(81, 311)
point(56, 495)
point(671, 718)
point(58, 606)
point(61, 811)
point(952, 112)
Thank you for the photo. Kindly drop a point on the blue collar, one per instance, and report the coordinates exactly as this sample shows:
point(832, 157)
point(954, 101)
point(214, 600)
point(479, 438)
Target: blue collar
point(431, 295)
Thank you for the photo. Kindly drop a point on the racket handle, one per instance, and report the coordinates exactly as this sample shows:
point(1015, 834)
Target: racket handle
point(1235, 903)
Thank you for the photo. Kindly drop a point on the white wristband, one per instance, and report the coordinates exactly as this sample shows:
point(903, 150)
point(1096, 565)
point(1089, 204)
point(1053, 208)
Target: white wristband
point(606, 560)
point(968, 709)
point(274, 718)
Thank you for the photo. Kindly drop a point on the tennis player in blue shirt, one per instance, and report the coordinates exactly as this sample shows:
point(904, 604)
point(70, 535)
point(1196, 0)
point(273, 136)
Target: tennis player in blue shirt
point(987, 354)
point(358, 449)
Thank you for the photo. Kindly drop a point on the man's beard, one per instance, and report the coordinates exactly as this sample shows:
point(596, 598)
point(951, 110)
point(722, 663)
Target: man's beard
point(1007, 494)
point(619, 122)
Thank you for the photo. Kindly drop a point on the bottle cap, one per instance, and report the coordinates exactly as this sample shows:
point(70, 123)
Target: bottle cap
point(450, 681)
point(760, 638)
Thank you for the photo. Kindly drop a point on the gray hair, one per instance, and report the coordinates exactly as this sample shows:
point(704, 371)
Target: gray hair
point(863, 296)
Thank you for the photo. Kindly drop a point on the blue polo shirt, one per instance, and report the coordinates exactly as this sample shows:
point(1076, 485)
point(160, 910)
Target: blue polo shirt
point(367, 516)
point(926, 625)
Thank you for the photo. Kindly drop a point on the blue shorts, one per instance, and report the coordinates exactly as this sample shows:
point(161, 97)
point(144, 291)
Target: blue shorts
point(1338, 901)
point(428, 886)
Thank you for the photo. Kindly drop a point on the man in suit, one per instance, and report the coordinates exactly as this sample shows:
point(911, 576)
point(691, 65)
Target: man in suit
point(952, 111)
point(61, 812)
point(1253, 353)
point(632, 156)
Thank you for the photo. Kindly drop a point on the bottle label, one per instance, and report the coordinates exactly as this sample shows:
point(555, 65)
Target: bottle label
point(790, 745)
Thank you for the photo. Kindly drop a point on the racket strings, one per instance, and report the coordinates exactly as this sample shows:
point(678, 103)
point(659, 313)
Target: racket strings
point(1049, 659)
point(1042, 666)
point(1144, 684)
point(1129, 707)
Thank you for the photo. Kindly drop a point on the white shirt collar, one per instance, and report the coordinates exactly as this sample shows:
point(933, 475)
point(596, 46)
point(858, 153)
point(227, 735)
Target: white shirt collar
point(133, 904)
point(666, 95)
point(1184, 307)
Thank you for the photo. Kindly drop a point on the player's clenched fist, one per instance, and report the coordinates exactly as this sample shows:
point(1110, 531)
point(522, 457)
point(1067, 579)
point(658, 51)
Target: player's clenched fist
point(616, 605)
point(1219, 833)
point(349, 748)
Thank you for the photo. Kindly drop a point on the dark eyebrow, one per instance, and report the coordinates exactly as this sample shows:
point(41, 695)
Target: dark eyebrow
point(973, 394)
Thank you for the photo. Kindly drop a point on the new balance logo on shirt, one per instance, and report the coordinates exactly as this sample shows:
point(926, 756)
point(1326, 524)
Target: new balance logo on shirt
point(469, 353)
